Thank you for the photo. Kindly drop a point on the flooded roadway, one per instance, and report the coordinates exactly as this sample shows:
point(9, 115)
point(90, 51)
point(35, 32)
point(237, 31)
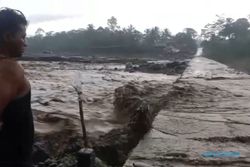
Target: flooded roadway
point(207, 110)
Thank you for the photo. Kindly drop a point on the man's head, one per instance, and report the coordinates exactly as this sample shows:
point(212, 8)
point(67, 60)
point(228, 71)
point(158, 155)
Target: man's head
point(12, 32)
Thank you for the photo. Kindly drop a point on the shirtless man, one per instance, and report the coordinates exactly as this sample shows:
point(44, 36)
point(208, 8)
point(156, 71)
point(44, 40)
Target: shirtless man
point(17, 129)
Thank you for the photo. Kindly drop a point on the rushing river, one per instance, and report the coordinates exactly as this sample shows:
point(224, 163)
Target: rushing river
point(52, 92)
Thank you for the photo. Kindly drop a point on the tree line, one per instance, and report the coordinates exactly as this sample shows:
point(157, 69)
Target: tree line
point(114, 40)
point(228, 41)
point(225, 40)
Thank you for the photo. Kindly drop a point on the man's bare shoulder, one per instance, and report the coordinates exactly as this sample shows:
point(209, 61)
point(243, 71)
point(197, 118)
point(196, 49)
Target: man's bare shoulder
point(10, 70)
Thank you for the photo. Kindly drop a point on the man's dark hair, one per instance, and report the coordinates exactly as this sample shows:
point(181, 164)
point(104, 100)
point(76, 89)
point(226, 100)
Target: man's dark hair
point(10, 21)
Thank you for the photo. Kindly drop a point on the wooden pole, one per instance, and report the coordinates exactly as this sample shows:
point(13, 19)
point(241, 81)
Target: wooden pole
point(85, 156)
point(84, 132)
point(80, 101)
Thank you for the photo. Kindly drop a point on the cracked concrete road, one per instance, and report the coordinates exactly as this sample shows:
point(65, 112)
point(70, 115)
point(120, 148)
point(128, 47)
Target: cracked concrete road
point(208, 109)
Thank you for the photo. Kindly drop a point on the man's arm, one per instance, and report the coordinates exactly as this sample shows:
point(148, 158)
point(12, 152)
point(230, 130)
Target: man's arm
point(7, 93)
point(10, 79)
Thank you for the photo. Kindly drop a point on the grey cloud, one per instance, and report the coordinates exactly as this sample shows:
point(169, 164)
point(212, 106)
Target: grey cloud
point(39, 18)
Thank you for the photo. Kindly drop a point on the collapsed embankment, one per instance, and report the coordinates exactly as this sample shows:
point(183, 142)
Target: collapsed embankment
point(134, 104)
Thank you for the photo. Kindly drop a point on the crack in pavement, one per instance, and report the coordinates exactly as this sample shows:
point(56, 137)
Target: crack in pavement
point(166, 133)
point(178, 133)
point(192, 118)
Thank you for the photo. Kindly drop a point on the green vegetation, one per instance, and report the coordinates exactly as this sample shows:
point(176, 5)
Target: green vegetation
point(228, 41)
point(113, 40)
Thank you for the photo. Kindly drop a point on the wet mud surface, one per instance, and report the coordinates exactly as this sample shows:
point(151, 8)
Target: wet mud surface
point(206, 110)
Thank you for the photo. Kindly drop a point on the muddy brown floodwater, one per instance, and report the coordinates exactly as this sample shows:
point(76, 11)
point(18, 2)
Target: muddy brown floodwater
point(55, 103)
point(204, 109)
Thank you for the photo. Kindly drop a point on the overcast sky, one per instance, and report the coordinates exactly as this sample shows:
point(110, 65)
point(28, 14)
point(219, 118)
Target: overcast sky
point(64, 15)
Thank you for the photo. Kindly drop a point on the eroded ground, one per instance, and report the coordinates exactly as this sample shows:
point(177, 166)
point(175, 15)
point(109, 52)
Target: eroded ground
point(207, 109)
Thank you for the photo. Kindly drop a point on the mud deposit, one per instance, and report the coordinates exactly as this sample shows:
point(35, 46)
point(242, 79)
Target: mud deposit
point(206, 110)
point(112, 130)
